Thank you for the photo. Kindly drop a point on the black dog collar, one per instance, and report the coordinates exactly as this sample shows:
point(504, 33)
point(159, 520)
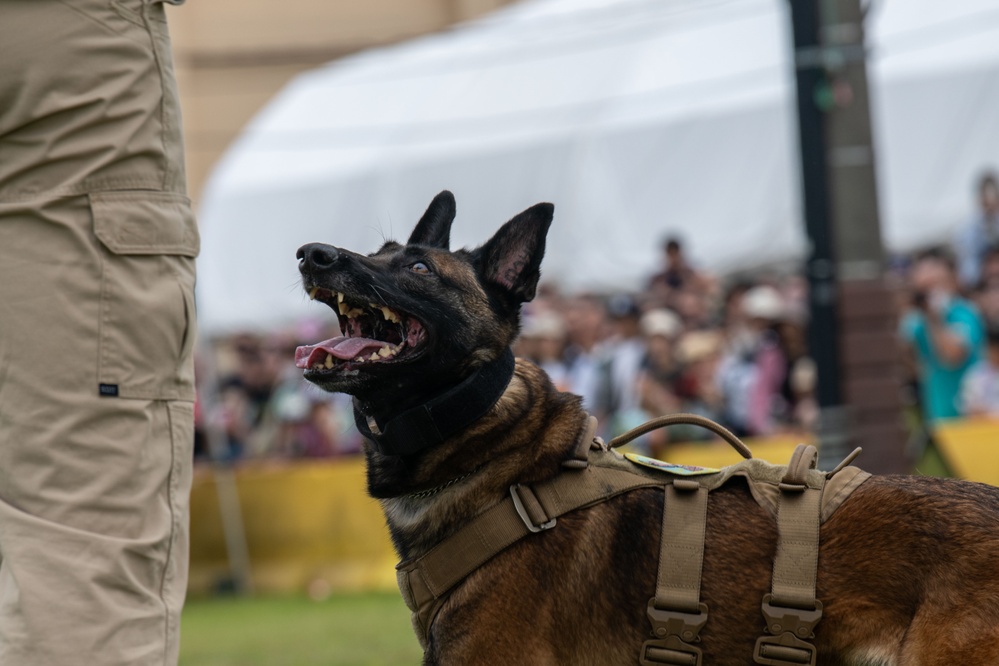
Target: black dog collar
point(429, 424)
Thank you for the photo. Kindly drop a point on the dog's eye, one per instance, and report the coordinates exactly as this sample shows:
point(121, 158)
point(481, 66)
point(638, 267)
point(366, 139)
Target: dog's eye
point(421, 268)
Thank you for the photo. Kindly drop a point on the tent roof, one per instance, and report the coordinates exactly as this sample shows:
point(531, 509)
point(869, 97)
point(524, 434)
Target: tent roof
point(637, 118)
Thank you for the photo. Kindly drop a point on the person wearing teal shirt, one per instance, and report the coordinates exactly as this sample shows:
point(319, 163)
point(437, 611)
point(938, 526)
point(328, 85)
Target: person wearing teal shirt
point(945, 333)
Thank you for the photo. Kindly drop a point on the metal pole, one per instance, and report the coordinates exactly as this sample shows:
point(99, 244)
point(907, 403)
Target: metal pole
point(868, 346)
point(820, 266)
point(852, 330)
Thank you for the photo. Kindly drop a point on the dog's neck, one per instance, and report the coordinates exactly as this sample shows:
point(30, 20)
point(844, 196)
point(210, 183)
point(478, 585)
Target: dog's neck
point(429, 423)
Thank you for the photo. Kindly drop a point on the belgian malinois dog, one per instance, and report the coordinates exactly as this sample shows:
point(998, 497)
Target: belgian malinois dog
point(908, 567)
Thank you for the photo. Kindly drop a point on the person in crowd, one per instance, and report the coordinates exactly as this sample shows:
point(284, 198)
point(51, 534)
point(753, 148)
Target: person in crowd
point(798, 388)
point(676, 276)
point(235, 418)
point(732, 317)
point(246, 398)
point(802, 383)
point(585, 323)
point(990, 266)
point(660, 329)
point(980, 385)
point(542, 340)
point(980, 233)
point(693, 306)
point(307, 423)
point(944, 333)
point(624, 353)
point(660, 371)
point(752, 371)
point(699, 353)
point(986, 299)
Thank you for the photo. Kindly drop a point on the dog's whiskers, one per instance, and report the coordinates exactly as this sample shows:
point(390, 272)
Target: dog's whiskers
point(380, 294)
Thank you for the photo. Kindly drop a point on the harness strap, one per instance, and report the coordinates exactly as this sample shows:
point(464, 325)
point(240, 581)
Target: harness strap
point(676, 612)
point(791, 609)
point(527, 509)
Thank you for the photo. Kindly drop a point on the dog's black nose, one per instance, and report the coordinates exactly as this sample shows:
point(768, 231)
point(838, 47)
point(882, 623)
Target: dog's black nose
point(317, 256)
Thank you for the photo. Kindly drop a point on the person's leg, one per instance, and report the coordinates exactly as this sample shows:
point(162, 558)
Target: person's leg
point(97, 246)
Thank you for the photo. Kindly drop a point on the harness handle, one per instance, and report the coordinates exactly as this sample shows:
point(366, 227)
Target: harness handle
point(690, 419)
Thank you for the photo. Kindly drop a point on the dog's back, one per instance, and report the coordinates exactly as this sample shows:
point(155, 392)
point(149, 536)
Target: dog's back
point(907, 574)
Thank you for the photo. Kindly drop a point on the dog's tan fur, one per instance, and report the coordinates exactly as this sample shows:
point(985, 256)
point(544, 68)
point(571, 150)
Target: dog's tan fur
point(908, 567)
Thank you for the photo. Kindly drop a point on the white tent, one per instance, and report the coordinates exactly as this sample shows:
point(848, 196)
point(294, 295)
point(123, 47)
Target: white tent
point(637, 118)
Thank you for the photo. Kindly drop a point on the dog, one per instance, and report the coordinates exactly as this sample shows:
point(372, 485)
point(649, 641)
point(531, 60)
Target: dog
point(908, 567)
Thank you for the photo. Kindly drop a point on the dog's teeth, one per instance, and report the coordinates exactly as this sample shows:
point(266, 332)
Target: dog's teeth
point(339, 297)
point(374, 357)
point(329, 361)
point(384, 352)
point(313, 292)
point(348, 311)
point(390, 315)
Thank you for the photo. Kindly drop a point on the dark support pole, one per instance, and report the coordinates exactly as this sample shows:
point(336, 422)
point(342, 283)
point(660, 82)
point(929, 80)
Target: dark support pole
point(852, 330)
point(820, 266)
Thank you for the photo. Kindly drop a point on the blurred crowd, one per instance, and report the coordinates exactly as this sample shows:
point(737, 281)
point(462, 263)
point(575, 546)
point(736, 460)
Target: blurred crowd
point(734, 352)
point(732, 349)
point(263, 407)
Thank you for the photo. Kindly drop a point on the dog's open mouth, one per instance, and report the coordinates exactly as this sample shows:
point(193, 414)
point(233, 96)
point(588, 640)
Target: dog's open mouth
point(371, 334)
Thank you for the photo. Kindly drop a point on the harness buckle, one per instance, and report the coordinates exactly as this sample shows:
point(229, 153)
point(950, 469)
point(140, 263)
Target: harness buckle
point(671, 651)
point(789, 626)
point(524, 513)
point(674, 631)
point(784, 650)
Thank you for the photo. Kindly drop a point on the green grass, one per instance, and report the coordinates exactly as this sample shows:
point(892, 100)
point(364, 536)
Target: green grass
point(344, 630)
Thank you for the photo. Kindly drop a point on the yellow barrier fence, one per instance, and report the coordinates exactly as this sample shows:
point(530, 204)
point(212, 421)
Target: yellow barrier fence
point(310, 525)
point(970, 447)
point(776, 449)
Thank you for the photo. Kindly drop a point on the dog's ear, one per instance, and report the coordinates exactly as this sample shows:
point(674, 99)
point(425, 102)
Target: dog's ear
point(434, 228)
point(511, 259)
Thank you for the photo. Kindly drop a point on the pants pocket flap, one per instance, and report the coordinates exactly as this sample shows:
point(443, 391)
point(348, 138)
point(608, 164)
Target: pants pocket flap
point(145, 222)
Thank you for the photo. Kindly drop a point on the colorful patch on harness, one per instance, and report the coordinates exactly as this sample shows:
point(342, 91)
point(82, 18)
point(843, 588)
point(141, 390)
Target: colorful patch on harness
point(662, 466)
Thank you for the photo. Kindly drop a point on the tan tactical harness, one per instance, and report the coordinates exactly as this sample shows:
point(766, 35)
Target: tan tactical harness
point(800, 496)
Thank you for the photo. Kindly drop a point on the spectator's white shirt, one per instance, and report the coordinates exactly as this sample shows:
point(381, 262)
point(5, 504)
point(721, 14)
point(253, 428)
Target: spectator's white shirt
point(582, 377)
point(970, 244)
point(980, 389)
point(735, 378)
point(625, 358)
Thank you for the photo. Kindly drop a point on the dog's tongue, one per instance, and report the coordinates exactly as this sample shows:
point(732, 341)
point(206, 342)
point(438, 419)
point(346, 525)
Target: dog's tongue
point(342, 347)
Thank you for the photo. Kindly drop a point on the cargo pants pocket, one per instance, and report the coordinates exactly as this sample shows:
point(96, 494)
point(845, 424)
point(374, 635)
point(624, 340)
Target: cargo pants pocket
point(147, 317)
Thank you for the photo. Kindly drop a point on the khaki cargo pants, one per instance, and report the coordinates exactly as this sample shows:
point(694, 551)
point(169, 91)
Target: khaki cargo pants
point(97, 247)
